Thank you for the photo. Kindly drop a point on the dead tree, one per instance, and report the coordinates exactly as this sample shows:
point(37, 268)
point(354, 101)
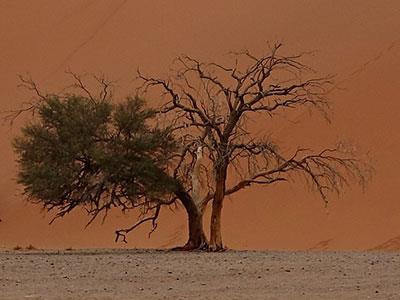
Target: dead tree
point(209, 105)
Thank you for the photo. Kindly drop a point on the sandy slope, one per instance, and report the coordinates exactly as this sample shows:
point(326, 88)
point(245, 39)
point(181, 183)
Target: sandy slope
point(143, 274)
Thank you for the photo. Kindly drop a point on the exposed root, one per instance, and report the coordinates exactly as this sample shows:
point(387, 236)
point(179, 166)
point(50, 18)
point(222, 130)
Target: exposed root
point(215, 248)
point(205, 247)
point(189, 246)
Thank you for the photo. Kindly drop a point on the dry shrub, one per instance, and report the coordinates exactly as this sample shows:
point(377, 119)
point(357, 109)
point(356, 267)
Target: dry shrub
point(31, 247)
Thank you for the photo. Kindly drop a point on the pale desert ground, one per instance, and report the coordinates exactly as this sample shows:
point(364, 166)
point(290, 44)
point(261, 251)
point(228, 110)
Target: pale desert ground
point(151, 274)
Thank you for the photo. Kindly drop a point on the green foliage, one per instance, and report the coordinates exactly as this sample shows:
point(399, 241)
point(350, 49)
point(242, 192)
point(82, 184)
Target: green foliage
point(94, 154)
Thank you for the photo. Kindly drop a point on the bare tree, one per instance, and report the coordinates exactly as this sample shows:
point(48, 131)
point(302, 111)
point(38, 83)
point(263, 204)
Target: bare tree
point(207, 111)
point(210, 105)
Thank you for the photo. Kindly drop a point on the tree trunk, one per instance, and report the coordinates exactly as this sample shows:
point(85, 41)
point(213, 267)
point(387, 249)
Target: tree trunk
point(197, 239)
point(215, 227)
point(216, 236)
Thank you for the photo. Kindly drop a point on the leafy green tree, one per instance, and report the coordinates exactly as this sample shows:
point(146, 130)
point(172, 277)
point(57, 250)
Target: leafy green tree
point(80, 152)
point(84, 150)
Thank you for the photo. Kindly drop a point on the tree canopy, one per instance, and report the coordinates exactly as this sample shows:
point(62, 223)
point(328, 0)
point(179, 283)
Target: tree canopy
point(95, 154)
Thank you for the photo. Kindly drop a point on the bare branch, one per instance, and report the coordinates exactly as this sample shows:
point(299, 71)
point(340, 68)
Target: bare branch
point(153, 219)
point(31, 106)
point(80, 85)
point(327, 171)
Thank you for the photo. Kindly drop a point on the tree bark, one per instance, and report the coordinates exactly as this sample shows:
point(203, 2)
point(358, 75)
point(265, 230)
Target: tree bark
point(216, 243)
point(197, 239)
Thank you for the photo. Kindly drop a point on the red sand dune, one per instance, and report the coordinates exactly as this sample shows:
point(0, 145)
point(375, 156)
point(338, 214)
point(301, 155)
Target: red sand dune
point(322, 245)
point(357, 40)
point(390, 245)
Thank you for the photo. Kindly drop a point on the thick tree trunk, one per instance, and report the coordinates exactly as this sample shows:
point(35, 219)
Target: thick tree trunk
point(215, 229)
point(216, 243)
point(197, 239)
